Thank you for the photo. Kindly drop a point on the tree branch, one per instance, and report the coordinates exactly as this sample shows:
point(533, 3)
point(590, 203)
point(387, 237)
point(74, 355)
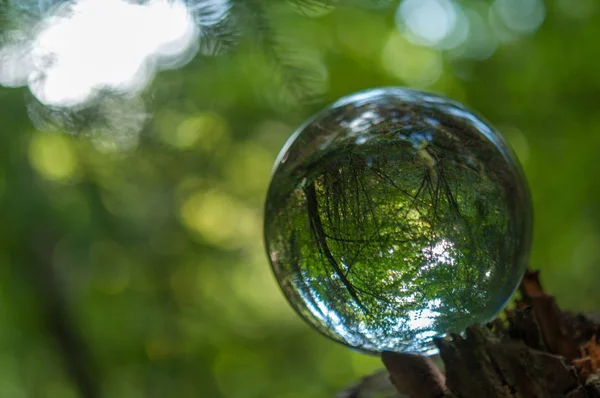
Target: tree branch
point(538, 351)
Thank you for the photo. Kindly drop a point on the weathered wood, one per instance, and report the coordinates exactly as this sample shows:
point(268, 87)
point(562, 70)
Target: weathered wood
point(415, 375)
point(548, 316)
point(534, 351)
point(481, 365)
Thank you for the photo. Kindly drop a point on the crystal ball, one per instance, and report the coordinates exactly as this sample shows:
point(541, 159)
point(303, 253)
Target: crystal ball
point(396, 216)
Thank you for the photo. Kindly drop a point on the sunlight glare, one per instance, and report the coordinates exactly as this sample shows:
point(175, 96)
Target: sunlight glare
point(88, 46)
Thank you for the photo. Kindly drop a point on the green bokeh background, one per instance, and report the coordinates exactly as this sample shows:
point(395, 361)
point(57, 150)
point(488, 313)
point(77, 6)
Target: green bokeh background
point(157, 253)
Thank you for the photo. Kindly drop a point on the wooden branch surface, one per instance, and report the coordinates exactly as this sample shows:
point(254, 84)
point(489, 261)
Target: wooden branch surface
point(538, 351)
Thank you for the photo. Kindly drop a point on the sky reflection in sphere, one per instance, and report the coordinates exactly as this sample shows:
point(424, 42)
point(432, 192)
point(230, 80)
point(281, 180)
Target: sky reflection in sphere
point(395, 216)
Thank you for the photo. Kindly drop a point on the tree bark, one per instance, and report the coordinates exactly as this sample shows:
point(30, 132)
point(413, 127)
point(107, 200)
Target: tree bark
point(534, 351)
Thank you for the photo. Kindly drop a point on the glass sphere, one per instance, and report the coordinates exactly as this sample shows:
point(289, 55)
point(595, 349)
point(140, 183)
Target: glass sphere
point(395, 216)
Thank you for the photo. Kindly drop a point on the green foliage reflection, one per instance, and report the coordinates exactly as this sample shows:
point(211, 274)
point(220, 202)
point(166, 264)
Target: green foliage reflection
point(404, 222)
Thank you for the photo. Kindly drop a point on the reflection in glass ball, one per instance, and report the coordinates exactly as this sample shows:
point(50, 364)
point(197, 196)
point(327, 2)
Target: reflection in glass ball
point(395, 216)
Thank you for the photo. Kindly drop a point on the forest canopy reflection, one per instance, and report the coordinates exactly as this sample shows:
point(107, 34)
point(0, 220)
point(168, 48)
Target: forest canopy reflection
point(396, 216)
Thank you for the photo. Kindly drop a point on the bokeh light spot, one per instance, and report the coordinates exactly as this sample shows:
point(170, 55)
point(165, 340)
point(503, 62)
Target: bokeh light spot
point(415, 65)
point(208, 131)
point(427, 22)
point(220, 219)
point(249, 169)
point(253, 285)
point(520, 16)
point(53, 156)
point(481, 42)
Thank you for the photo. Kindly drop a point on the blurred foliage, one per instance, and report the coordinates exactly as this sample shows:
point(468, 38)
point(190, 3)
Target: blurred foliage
point(155, 247)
